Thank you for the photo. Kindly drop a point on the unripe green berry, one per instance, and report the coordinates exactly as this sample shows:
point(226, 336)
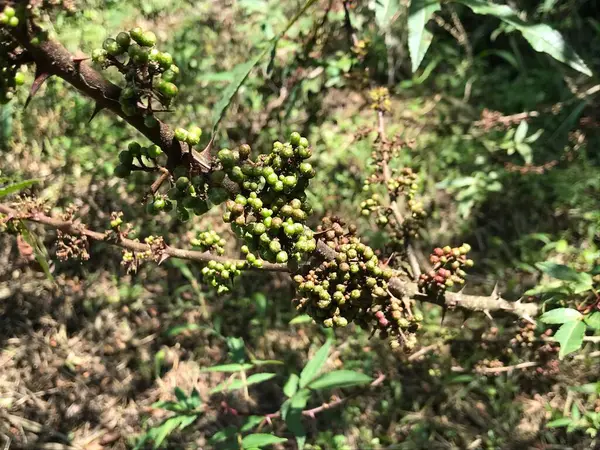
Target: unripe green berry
point(168, 89)
point(134, 148)
point(13, 22)
point(182, 183)
point(165, 60)
point(154, 151)
point(282, 257)
point(295, 138)
point(9, 11)
point(126, 158)
point(123, 39)
point(19, 78)
point(136, 33)
point(303, 142)
point(112, 47)
point(122, 171)
point(181, 134)
point(147, 39)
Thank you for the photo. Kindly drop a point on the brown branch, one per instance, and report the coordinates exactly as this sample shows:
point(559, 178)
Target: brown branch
point(74, 229)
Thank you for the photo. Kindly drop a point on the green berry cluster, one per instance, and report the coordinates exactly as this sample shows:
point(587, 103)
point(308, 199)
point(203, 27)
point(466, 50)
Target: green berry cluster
point(221, 275)
point(192, 196)
point(209, 241)
point(190, 136)
point(10, 76)
point(136, 153)
point(8, 17)
point(149, 73)
point(270, 211)
point(448, 264)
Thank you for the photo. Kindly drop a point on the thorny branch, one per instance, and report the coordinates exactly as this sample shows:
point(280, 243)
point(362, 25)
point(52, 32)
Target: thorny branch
point(398, 287)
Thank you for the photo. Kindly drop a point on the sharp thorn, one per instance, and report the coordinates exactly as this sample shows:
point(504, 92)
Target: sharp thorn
point(528, 318)
point(163, 258)
point(495, 292)
point(97, 109)
point(488, 315)
point(40, 77)
point(444, 311)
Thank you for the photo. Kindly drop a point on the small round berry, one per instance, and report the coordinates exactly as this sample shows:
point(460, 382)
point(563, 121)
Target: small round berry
point(303, 142)
point(19, 78)
point(136, 33)
point(281, 257)
point(295, 138)
point(165, 60)
point(126, 158)
point(13, 22)
point(168, 89)
point(123, 39)
point(154, 151)
point(181, 134)
point(112, 47)
point(122, 171)
point(182, 183)
point(159, 204)
point(134, 148)
point(9, 11)
point(147, 39)
point(99, 55)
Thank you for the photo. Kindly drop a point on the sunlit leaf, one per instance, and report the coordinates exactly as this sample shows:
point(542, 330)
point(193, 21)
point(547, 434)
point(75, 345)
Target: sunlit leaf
point(339, 378)
point(419, 38)
point(570, 337)
point(560, 315)
point(314, 366)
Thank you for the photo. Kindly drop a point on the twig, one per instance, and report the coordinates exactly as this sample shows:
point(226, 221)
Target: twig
point(410, 252)
point(74, 229)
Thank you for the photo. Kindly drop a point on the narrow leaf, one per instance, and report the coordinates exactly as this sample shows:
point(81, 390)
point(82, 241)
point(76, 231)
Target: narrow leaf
point(560, 315)
point(303, 318)
point(291, 385)
point(541, 37)
point(228, 368)
point(570, 337)
point(339, 378)
point(41, 255)
point(241, 72)
point(564, 273)
point(419, 39)
point(239, 384)
point(16, 187)
point(260, 440)
point(314, 366)
point(562, 422)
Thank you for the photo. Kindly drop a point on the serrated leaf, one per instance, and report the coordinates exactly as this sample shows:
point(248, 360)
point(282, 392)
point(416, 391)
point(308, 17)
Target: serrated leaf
point(303, 318)
point(541, 37)
point(228, 368)
point(419, 38)
point(593, 320)
point(291, 385)
point(260, 440)
point(314, 366)
point(16, 187)
point(239, 384)
point(560, 315)
point(339, 378)
point(570, 337)
point(562, 422)
point(385, 11)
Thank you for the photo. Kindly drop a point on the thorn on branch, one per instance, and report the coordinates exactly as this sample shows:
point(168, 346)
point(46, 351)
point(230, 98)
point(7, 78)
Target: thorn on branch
point(97, 109)
point(40, 77)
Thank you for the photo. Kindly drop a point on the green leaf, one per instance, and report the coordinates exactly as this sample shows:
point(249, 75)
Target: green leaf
point(291, 385)
point(570, 337)
point(560, 315)
point(260, 440)
point(521, 132)
point(564, 273)
point(251, 422)
point(223, 435)
point(419, 39)
point(525, 151)
point(291, 412)
point(228, 368)
point(541, 37)
point(16, 187)
point(385, 12)
point(239, 384)
point(303, 318)
point(562, 422)
point(314, 366)
point(180, 395)
point(593, 320)
point(242, 71)
point(41, 255)
point(339, 378)
point(267, 362)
